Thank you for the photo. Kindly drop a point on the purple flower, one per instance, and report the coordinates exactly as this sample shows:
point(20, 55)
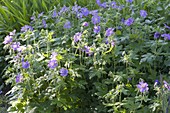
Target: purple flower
point(40, 15)
point(106, 41)
point(12, 33)
point(96, 29)
point(113, 43)
point(96, 19)
point(109, 32)
point(85, 11)
point(26, 28)
point(103, 5)
point(63, 72)
point(15, 45)
point(157, 35)
point(156, 83)
point(167, 26)
point(54, 14)
point(63, 10)
point(166, 36)
point(94, 12)
point(53, 55)
point(85, 24)
point(76, 8)
point(143, 87)
point(166, 85)
point(18, 78)
point(77, 37)
point(25, 65)
point(130, 1)
point(79, 15)
point(67, 25)
point(129, 21)
point(32, 18)
point(143, 13)
point(52, 64)
point(88, 51)
point(98, 2)
point(7, 39)
point(113, 5)
point(44, 23)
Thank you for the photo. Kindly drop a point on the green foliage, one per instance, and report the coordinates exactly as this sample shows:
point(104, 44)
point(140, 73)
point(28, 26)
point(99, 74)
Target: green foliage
point(102, 78)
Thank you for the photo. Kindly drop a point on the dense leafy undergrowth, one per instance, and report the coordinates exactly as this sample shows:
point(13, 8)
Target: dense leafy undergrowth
point(75, 60)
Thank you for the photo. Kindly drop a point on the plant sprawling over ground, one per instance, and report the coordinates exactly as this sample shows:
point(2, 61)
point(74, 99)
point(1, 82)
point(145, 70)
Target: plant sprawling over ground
point(76, 60)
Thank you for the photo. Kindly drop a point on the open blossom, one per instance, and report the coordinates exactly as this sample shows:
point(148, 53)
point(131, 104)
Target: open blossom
point(129, 21)
point(7, 39)
point(21, 48)
point(77, 37)
point(94, 12)
point(113, 5)
point(76, 8)
point(166, 36)
point(63, 72)
point(109, 32)
point(157, 35)
point(25, 65)
point(52, 63)
point(98, 2)
point(54, 14)
point(67, 25)
point(143, 13)
point(12, 33)
point(103, 5)
point(143, 87)
point(18, 78)
point(85, 11)
point(96, 19)
point(15, 45)
point(85, 24)
point(96, 29)
point(87, 50)
point(26, 28)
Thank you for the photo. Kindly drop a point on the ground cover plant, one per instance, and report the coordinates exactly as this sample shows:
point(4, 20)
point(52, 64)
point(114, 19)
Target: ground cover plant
point(76, 60)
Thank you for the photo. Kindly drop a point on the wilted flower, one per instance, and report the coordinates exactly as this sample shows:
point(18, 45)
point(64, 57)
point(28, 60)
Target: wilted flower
point(109, 32)
point(85, 11)
point(143, 87)
point(32, 18)
point(52, 63)
point(96, 19)
point(166, 85)
point(25, 65)
point(166, 36)
point(44, 23)
point(129, 21)
point(54, 14)
point(157, 35)
point(67, 25)
point(26, 28)
point(18, 78)
point(15, 45)
point(77, 37)
point(143, 13)
point(130, 1)
point(85, 24)
point(106, 41)
point(96, 29)
point(63, 72)
point(7, 39)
